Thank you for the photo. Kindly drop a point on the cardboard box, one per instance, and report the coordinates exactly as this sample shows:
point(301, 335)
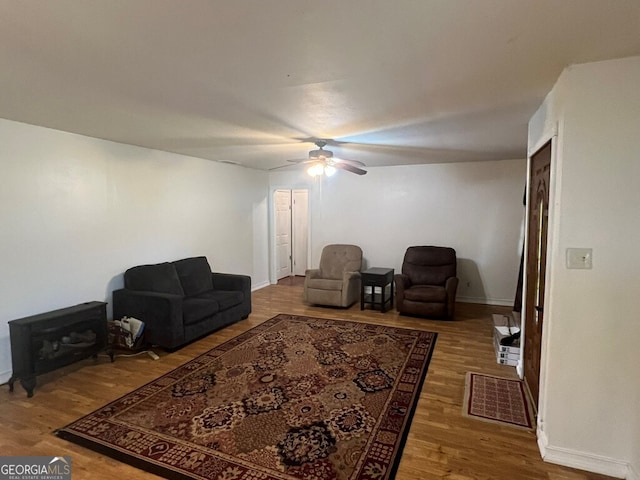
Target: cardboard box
point(505, 349)
point(503, 327)
point(506, 361)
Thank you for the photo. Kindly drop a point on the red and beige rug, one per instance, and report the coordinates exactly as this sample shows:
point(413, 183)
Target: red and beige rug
point(295, 397)
point(497, 399)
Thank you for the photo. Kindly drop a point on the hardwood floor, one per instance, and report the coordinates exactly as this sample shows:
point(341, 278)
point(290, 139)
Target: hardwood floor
point(441, 443)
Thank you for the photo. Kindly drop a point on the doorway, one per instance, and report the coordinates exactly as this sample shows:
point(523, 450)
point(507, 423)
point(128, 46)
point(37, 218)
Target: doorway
point(536, 265)
point(291, 215)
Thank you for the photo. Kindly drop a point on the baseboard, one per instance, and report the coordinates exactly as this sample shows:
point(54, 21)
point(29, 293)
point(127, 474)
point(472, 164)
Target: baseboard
point(633, 474)
point(5, 376)
point(486, 301)
point(584, 461)
point(259, 286)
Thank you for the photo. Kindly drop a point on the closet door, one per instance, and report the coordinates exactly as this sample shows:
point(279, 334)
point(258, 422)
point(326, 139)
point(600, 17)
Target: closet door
point(282, 206)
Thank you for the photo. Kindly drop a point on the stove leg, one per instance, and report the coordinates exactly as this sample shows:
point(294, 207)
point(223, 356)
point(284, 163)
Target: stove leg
point(29, 384)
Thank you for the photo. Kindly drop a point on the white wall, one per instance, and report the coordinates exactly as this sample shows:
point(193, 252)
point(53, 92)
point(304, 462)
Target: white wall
point(75, 212)
point(590, 394)
point(475, 208)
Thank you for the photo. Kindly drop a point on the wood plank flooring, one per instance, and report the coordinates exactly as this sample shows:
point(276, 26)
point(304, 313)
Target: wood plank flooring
point(442, 444)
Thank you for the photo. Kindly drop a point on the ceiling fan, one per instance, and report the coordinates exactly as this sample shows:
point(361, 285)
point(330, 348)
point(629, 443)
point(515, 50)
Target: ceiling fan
point(323, 162)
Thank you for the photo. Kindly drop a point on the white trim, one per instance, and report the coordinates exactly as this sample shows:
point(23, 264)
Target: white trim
point(266, 283)
point(587, 461)
point(544, 138)
point(550, 135)
point(542, 440)
point(633, 474)
point(5, 376)
point(552, 239)
point(486, 301)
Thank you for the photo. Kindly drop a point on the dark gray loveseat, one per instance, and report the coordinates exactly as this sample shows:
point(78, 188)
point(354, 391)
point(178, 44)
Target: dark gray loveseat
point(182, 300)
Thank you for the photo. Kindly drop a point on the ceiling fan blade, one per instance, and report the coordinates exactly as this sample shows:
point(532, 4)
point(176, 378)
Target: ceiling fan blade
point(354, 163)
point(301, 161)
point(281, 166)
point(350, 168)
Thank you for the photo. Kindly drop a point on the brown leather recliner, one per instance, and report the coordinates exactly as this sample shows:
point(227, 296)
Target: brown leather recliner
point(428, 283)
point(337, 281)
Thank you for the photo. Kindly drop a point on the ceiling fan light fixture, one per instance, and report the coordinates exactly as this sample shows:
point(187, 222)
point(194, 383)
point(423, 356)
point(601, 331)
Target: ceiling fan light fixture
point(320, 154)
point(329, 170)
point(315, 169)
point(321, 162)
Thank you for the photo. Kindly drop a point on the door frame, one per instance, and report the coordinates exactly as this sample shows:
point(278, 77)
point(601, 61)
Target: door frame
point(295, 233)
point(552, 246)
point(273, 268)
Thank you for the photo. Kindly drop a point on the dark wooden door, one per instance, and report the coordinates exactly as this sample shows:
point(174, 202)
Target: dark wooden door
point(538, 207)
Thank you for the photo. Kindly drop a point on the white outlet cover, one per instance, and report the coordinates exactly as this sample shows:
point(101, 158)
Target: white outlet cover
point(581, 258)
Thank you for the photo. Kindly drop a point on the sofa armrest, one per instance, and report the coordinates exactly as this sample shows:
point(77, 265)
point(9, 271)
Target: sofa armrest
point(230, 281)
point(161, 313)
point(234, 282)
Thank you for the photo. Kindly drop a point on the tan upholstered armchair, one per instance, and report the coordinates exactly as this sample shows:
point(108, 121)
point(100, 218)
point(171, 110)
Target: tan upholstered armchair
point(428, 283)
point(337, 281)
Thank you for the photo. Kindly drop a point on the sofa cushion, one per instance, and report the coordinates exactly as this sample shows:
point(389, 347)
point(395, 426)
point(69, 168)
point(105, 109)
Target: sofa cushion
point(159, 278)
point(426, 293)
point(195, 275)
point(224, 298)
point(195, 310)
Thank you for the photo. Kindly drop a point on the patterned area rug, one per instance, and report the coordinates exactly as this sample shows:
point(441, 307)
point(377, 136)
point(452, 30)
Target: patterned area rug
point(295, 397)
point(497, 399)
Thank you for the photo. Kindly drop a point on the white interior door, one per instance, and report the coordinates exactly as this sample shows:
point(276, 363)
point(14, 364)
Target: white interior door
point(282, 205)
point(300, 231)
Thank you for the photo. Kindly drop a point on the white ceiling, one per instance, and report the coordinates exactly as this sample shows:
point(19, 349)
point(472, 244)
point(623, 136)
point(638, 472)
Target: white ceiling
point(253, 81)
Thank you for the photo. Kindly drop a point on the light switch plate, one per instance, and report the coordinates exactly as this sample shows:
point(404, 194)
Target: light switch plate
point(579, 258)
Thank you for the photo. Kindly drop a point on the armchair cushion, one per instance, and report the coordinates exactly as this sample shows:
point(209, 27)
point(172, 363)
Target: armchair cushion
point(337, 259)
point(429, 265)
point(325, 284)
point(426, 293)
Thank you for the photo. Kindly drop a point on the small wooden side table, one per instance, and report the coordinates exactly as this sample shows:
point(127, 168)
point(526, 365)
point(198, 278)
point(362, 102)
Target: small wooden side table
point(377, 277)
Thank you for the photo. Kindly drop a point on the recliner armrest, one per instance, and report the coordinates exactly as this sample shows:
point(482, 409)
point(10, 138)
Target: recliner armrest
point(402, 281)
point(312, 273)
point(231, 281)
point(451, 286)
point(347, 276)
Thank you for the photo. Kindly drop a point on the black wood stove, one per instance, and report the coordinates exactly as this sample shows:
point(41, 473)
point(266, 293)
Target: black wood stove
point(44, 342)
